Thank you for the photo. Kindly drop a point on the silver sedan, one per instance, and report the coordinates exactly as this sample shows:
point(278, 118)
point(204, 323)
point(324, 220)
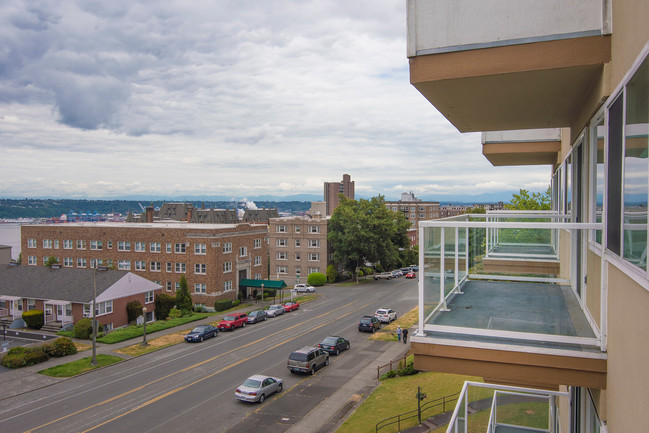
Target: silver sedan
point(275, 310)
point(257, 388)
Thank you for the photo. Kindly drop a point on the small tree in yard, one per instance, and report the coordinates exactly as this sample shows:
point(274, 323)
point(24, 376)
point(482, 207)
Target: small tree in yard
point(163, 304)
point(133, 311)
point(332, 274)
point(51, 260)
point(183, 298)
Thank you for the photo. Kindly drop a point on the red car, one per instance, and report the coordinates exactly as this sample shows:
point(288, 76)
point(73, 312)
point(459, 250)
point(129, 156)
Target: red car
point(290, 306)
point(411, 274)
point(231, 321)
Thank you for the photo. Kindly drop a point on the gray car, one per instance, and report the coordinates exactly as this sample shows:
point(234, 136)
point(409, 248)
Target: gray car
point(275, 310)
point(257, 316)
point(257, 388)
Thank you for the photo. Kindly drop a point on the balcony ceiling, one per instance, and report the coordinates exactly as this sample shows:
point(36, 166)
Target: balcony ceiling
point(527, 86)
point(522, 153)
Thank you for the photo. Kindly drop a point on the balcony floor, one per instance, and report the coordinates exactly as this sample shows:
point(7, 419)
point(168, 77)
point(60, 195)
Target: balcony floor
point(538, 308)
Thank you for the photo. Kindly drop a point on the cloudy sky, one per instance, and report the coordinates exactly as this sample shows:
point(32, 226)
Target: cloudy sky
point(224, 98)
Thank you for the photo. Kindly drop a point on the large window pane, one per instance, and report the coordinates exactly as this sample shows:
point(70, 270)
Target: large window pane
point(614, 176)
point(636, 168)
point(597, 135)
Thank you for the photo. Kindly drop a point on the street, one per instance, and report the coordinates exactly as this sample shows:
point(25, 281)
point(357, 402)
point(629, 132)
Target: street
point(190, 387)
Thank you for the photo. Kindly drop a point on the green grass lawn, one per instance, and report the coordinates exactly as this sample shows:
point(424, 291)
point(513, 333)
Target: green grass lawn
point(528, 414)
point(82, 365)
point(398, 395)
point(129, 332)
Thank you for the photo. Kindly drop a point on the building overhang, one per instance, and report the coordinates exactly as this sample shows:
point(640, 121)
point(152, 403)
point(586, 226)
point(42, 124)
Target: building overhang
point(510, 367)
point(524, 86)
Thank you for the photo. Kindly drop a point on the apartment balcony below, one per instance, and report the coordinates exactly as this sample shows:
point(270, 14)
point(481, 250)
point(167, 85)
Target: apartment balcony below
point(493, 302)
point(504, 409)
point(490, 65)
point(524, 147)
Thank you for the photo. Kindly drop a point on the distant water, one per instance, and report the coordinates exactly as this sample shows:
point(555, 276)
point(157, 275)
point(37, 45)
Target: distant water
point(10, 235)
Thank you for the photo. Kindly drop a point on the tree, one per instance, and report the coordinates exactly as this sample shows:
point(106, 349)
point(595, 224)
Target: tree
point(183, 298)
point(534, 201)
point(362, 231)
point(133, 310)
point(163, 304)
point(51, 260)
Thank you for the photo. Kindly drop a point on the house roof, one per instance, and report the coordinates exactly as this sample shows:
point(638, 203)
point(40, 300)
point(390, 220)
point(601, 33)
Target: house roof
point(70, 284)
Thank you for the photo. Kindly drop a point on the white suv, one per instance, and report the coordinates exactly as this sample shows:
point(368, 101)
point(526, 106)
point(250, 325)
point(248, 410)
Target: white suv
point(385, 315)
point(303, 288)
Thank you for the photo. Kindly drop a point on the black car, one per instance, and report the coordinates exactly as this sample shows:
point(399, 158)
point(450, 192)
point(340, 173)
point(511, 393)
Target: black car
point(201, 332)
point(334, 345)
point(257, 316)
point(369, 323)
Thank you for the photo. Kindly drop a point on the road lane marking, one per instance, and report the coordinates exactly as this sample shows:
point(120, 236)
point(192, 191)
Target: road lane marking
point(124, 394)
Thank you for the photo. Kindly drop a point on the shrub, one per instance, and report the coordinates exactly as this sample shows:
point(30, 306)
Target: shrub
point(34, 319)
point(316, 279)
point(133, 311)
point(270, 293)
point(17, 351)
point(332, 274)
point(83, 328)
point(222, 305)
point(186, 313)
point(175, 313)
point(14, 361)
point(35, 357)
point(367, 270)
point(390, 374)
point(63, 347)
point(49, 349)
point(163, 304)
point(407, 370)
point(236, 302)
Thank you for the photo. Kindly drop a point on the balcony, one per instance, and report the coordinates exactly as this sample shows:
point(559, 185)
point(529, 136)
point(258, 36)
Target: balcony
point(498, 300)
point(486, 408)
point(524, 147)
point(491, 65)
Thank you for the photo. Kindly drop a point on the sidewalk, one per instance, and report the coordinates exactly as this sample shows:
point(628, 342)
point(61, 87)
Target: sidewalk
point(26, 379)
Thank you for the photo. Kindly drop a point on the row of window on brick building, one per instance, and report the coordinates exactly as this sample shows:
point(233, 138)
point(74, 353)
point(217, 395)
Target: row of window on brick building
point(125, 246)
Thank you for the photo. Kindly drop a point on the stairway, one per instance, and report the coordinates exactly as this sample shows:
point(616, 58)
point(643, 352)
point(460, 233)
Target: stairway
point(52, 327)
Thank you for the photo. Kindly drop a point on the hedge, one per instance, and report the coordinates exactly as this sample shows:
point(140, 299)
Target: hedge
point(34, 319)
point(222, 305)
point(316, 279)
point(83, 328)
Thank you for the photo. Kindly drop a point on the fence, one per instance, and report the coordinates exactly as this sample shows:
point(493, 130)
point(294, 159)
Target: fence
point(389, 364)
point(398, 419)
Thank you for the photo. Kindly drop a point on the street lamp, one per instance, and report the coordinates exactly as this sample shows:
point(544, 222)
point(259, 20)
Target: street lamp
point(144, 343)
point(262, 293)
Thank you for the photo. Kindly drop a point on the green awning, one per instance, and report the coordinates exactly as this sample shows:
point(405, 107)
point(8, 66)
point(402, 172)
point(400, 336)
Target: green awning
point(268, 284)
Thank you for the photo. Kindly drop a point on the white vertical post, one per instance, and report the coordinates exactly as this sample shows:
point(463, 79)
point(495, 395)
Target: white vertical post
point(457, 254)
point(442, 298)
point(421, 276)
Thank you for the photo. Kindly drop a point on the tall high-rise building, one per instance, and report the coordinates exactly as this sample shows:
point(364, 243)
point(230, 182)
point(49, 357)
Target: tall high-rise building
point(332, 189)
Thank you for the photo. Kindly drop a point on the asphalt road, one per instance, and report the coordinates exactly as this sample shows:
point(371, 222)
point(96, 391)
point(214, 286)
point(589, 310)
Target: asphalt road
point(190, 387)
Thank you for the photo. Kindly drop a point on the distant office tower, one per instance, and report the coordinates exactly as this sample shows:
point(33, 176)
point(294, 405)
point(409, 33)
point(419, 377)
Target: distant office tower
point(332, 189)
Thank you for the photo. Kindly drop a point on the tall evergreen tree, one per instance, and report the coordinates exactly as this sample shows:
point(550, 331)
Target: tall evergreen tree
point(183, 298)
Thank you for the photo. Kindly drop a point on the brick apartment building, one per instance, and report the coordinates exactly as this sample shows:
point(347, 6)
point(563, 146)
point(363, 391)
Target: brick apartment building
point(415, 210)
point(298, 246)
point(332, 189)
point(213, 257)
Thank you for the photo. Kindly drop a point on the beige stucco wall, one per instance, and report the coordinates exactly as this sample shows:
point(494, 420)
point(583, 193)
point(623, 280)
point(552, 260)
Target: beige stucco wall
point(630, 34)
point(593, 286)
point(628, 353)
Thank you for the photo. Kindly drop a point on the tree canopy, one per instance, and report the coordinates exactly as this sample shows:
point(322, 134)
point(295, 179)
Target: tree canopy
point(362, 231)
point(534, 201)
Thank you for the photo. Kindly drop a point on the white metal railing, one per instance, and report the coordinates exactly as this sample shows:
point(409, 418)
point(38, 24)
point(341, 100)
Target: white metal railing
point(448, 247)
point(462, 421)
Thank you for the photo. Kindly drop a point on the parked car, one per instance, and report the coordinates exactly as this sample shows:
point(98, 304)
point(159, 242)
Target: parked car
point(291, 306)
point(397, 273)
point(414, 268)
point(201, 333)
point(258, 387)
point(334, 345)
point(405, 271)
point(385, 315)
point(257, 316)
point(303, 288)
point(275, 310)
point(369, 323)
point(384, 276)
point(411, 274)
point(307, 360)
point(234, 320)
